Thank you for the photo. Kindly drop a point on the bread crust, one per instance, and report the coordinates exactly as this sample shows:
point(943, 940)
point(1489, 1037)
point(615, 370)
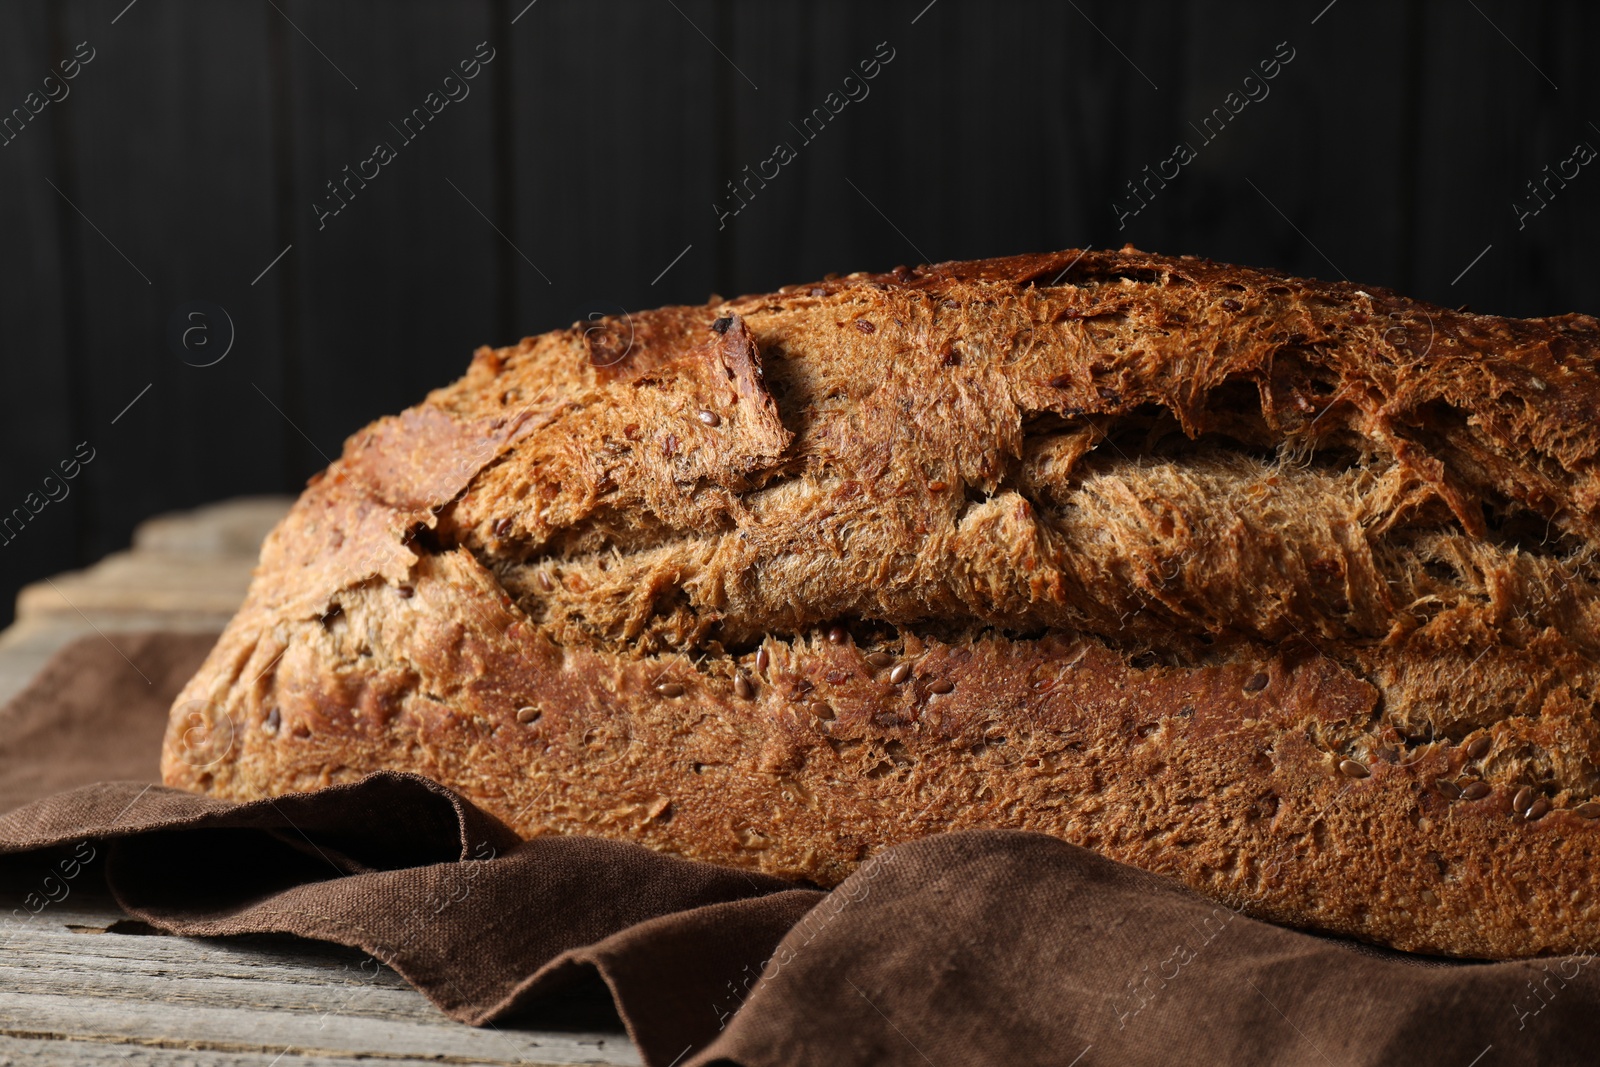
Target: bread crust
point(1250, 580)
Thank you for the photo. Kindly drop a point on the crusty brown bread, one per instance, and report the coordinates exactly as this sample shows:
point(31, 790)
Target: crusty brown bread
point(1283, 588)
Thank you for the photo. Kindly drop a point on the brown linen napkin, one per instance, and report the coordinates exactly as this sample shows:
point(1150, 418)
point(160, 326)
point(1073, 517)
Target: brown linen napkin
point(990, 947)
point(90, 714)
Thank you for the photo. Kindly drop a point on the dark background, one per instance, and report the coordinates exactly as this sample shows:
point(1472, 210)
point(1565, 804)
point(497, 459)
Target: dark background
point(190, 150)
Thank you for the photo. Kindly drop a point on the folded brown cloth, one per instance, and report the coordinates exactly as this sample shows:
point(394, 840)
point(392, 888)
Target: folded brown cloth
point(990, 947)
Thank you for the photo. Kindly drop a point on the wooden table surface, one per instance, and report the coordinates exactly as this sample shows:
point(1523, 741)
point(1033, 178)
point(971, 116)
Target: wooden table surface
point(82, 983)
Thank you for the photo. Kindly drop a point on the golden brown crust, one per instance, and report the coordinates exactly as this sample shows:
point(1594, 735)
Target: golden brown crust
point(1250, 580)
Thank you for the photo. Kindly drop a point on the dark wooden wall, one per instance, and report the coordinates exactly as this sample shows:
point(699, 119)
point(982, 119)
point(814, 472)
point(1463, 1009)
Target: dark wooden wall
point(190, 150)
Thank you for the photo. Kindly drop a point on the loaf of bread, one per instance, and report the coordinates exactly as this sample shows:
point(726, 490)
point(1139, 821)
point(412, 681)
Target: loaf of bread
point(1283, 588)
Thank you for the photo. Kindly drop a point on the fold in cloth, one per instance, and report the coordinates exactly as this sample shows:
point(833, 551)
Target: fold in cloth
point(983, 947)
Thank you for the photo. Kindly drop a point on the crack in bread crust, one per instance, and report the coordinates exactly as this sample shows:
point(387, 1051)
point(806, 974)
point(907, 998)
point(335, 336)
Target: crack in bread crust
point(1238, 577)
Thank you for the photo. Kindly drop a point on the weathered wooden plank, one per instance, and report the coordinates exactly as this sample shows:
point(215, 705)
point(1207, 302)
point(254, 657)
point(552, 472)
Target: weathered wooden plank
point(73, 988)
point(229, 528)
point(52, 1052)
point(141, 582)
point(90, 1012)
point(187, 571)
point(67, 976)
point(27, 646)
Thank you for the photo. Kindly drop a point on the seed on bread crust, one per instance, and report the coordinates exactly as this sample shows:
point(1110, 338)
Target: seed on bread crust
point(1523, 800)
